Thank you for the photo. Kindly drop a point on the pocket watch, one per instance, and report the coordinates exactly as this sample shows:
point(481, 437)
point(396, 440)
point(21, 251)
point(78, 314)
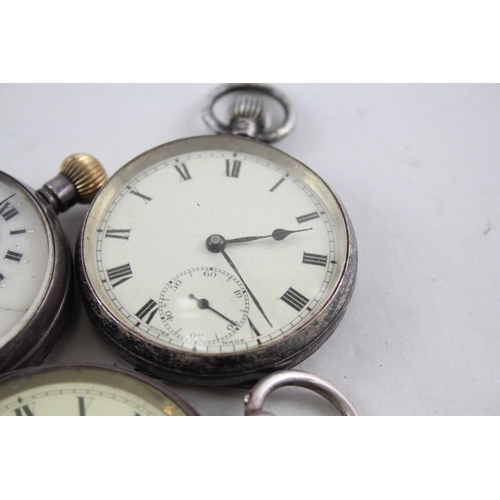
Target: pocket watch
point(86, 390)
point(216, 260)
point(35, 262)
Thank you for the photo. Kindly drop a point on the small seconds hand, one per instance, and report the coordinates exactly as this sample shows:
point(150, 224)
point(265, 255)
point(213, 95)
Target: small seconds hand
point(204, 304)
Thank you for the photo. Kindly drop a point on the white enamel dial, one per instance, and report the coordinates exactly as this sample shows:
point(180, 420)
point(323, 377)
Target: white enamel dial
point(154, 223)
point(84, 391)
point(26, 258)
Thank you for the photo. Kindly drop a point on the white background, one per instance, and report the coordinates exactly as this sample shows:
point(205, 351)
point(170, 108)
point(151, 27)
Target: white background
point(417, 167)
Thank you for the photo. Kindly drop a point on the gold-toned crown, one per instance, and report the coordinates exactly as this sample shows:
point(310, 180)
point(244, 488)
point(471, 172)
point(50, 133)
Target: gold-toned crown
point(86, 173)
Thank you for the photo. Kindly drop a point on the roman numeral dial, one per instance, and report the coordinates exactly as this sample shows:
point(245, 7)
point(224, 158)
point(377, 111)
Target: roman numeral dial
point(28, 270)
point(214, 251)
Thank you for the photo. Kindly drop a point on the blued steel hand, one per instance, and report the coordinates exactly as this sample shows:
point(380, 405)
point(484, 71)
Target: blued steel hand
point(277, 234)
point(204, 304)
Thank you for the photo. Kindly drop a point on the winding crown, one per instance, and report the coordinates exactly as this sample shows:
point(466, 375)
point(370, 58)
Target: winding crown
point(249, 106)
point(85, 173)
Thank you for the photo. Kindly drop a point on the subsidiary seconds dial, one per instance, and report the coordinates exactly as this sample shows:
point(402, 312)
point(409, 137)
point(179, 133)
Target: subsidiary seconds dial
point(218, 293)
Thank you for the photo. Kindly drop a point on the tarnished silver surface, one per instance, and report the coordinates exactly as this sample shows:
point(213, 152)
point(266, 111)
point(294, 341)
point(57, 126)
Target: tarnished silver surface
point(248, 116)
point(254, 400)
point(59, 193)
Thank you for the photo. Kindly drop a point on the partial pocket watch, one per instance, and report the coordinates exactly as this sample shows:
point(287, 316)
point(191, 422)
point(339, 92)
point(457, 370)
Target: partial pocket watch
point(216, 260)
point(87, 390)
point(35, 262)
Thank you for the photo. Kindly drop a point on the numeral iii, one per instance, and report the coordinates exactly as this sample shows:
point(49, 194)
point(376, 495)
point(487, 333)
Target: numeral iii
point(314, 259)
point(307, 217)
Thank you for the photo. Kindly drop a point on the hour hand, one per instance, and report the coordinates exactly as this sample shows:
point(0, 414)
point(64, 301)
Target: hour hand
point(277, 234)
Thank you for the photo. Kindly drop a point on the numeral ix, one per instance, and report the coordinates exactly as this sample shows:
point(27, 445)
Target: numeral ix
point(120, 274)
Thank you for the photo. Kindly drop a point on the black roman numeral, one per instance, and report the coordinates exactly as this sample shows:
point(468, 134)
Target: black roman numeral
point(24, 411)
point(19, 231)
point(120, 274)
point(2, 277)
point(147, 199)
point(183, 171)
point(294, 299)
point(233, 171)
point(151, 308)
point(16, 257)
point(7, 211)
point(277, 184)
point(82, 407)
point(314, 259)
point(307, 217)
point(120, 234)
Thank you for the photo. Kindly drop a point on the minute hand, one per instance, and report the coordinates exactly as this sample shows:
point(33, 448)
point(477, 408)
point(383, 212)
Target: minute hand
point(231, 263)
point(277, 234)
